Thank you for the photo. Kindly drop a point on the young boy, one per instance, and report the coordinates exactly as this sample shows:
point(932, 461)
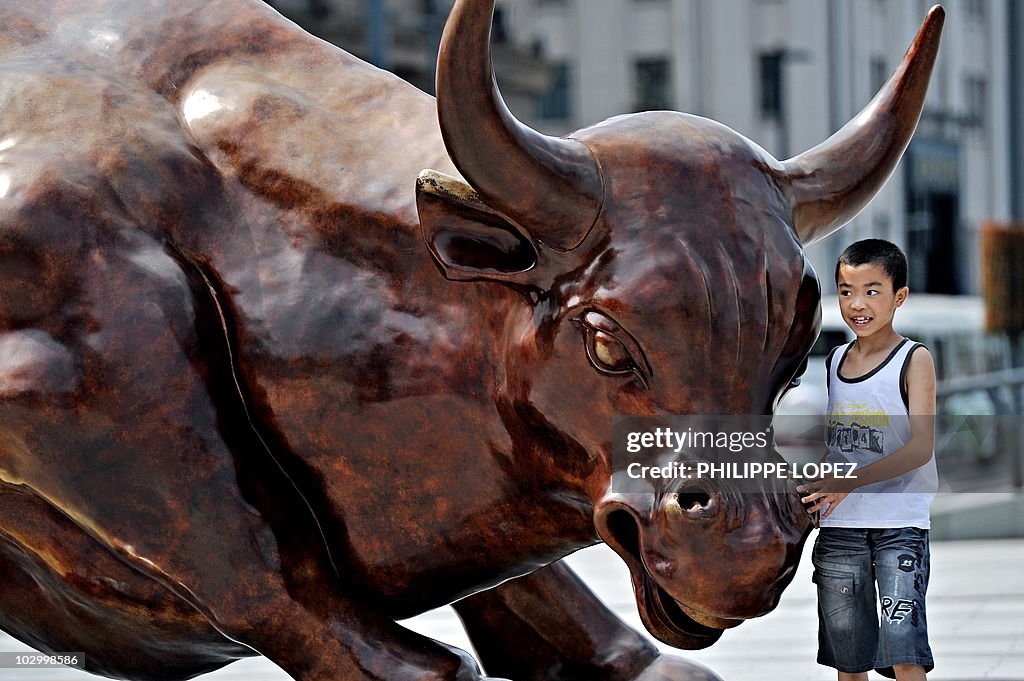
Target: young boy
point(881, 417)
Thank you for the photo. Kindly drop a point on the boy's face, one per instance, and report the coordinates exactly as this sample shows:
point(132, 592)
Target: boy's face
point(867, 298)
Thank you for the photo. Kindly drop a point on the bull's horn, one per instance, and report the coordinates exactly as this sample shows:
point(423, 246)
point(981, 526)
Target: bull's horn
point(551, 186)
point(832, 182)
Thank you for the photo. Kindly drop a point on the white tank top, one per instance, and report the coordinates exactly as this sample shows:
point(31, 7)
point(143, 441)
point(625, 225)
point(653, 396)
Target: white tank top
point(868, 419)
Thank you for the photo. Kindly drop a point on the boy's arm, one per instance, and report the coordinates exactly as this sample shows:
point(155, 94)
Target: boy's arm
point(822, 500)
point(828, 493)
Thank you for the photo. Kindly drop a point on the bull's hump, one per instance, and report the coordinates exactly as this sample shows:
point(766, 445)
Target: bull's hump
point(161, 43)
point(297, 120)
point(351, 148)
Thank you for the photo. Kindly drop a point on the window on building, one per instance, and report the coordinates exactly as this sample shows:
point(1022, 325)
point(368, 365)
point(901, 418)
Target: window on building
point(770, 67)
point(976, 9)
point(433, 15)
point(318, 9)
point(975, 93)
point(653, 90)
point(499, 25)
point(879, 74)
point(556, 103)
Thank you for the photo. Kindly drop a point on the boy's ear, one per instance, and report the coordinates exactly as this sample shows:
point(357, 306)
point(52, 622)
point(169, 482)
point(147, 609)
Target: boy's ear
point(901, 296)
point(468, 240)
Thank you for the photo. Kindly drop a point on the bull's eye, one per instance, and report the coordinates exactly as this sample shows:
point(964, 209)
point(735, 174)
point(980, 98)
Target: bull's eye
point(609, 354)
point(610, 349)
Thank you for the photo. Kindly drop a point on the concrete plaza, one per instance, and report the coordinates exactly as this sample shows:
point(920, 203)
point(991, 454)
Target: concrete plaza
point(976, 618)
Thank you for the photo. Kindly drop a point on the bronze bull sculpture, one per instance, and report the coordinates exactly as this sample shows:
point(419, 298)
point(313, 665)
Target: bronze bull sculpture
point(261, 391)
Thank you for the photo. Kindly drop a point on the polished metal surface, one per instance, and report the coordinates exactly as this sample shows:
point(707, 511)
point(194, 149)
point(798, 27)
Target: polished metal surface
point(291, 351)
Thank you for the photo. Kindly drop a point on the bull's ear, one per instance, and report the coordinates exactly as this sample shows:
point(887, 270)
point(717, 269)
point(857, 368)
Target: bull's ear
point(469, 241)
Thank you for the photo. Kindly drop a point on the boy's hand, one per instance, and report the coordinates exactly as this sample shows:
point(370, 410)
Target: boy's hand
point(826, 494)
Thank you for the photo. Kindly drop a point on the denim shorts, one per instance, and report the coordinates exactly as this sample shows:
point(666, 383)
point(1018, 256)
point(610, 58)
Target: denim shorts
point(848, 564)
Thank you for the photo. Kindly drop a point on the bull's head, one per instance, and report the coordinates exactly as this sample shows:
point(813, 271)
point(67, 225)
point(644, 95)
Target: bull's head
point(661, 255)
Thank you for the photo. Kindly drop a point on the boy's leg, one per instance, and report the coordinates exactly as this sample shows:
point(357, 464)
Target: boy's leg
point(847, 624)
point(909, 672)
point(902, 569)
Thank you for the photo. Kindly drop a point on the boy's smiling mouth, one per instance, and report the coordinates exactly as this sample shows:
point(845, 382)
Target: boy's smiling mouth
point(861, 321)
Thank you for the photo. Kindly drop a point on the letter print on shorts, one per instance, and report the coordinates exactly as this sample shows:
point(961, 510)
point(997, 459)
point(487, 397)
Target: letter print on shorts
point(901, 571)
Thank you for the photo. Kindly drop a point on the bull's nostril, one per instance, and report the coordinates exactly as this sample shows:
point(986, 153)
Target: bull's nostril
point(623, 529)
point(693, 498)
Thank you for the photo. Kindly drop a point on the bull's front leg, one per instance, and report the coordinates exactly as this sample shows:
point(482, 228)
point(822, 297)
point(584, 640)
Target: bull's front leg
point(128, 426)
point(549, 626)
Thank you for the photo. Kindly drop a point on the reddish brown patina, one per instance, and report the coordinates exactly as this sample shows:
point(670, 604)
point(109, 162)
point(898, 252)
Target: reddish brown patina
point(262, 391)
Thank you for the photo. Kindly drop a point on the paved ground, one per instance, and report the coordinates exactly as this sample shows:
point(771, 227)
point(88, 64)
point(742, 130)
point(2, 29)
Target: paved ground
point(976, 616)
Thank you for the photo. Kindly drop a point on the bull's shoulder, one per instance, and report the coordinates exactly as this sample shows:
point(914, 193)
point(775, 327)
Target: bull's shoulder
point(84, 156)
point(94, 175)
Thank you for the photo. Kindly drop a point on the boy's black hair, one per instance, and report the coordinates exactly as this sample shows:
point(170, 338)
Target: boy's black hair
point(885, 254)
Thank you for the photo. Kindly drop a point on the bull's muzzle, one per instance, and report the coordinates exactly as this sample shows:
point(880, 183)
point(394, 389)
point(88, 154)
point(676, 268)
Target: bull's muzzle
point(701, 559)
